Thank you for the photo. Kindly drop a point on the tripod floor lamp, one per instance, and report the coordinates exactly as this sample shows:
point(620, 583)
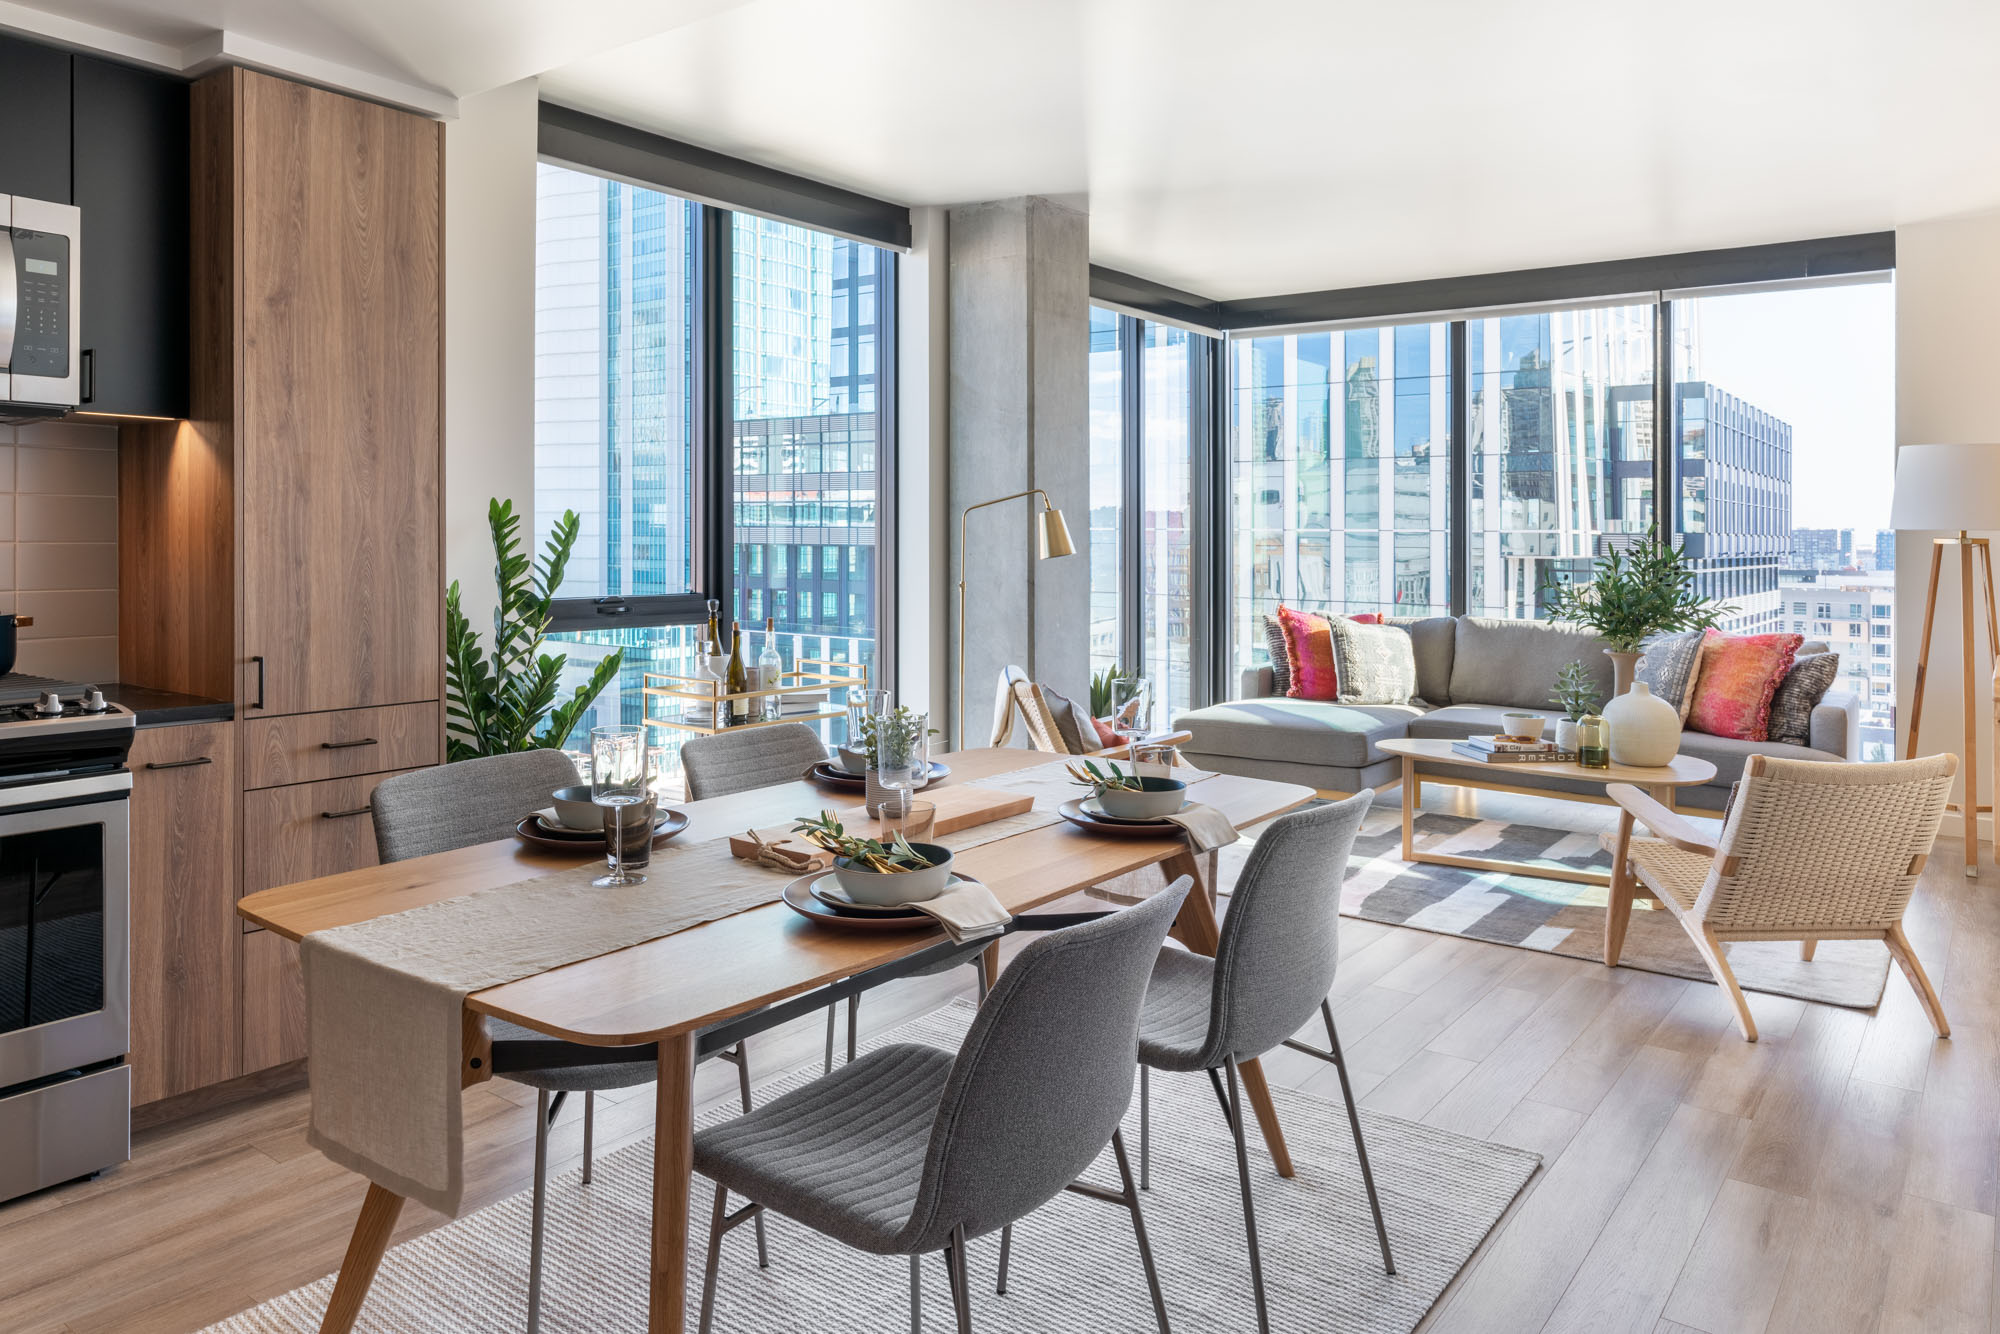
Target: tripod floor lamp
point(1954, 487)
point(1051, 539)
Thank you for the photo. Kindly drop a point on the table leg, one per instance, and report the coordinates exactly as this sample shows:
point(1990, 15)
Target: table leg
point(365, 1248)
point(1199, 931)
point(989, 963)
point(1409, 809)
point(673, 1168)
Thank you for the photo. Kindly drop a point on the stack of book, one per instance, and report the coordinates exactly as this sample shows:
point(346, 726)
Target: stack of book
point(1510, 750)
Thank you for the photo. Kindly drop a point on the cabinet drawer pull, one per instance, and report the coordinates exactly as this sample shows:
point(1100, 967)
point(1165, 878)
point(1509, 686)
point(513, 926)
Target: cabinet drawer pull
point(347, 745)
point(343, 815)
point(179, 764)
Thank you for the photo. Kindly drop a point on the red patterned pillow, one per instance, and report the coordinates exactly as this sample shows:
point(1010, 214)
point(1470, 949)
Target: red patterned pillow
point(1739, 675)
point(1309, 653)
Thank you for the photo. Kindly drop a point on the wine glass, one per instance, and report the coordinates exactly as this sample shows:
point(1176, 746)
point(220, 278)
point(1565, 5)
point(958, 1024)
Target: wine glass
point(618, 788)
point(1131, 708)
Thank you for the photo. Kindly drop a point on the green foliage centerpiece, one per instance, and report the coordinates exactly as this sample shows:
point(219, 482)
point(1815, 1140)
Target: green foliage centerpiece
point(1634, 594)
point(495, 706)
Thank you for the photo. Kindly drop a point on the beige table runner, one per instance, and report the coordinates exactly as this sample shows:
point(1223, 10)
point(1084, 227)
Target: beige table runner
point(384, 998)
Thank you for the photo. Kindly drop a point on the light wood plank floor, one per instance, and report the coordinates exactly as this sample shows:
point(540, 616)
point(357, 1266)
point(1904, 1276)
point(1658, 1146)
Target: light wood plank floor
point(1839, 1175)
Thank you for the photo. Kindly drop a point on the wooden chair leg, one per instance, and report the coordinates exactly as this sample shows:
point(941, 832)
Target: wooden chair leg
point(1807, 948)
point(1718, 963)
point(1618, 909)
point(1920, 982)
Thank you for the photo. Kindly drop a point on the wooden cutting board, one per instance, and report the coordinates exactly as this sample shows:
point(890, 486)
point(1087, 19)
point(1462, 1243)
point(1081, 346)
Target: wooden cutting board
point(961, 806)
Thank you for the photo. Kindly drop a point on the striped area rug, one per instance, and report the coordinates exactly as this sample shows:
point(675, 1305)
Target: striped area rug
point(1565, 918)
point(1075, 1266)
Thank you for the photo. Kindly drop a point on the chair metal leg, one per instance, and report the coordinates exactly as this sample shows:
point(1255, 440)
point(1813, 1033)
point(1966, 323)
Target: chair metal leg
point(916, 1295)
point(1360, 1149)
point(1139, 1231)
point(961, 1280)
point(1249, 1209)
point(1006, 1254)
point(715, 1231)
point(589, 1127)
point(1145, 1128)
point(853, 1025)
point(832, 1014)
point(979, 971)
point(742, 1058)
point(1215, 1082)
point(543, 1114)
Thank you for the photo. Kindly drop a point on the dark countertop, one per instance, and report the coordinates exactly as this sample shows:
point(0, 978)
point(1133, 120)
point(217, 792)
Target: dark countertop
point(159, 708)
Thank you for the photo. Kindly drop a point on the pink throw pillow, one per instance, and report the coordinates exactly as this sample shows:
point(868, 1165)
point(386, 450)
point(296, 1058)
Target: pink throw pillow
point(1107, 736)
point(1739, 675)
point(1309, 652)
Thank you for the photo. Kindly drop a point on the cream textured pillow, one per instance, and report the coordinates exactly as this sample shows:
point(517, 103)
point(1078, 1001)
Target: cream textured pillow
point(1376, 664)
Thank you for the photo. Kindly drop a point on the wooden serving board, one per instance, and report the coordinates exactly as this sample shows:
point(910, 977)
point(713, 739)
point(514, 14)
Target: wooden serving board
point(958, 807)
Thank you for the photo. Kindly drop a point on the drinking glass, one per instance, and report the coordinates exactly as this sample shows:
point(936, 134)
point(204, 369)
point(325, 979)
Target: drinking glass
point(618, 787)
point(1154, 760)
point(864, 704)
point(1131, 707)
point(916, 821)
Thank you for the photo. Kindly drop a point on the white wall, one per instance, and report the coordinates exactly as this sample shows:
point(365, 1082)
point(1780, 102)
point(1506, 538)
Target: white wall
point(1947, 345)
point(489, 331)
point(923, 455)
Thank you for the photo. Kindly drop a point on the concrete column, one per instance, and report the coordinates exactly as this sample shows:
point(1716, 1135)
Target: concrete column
point(1020, 329)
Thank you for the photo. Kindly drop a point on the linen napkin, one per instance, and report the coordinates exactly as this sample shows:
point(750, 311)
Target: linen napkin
point(1207, 828)
point(967, 911)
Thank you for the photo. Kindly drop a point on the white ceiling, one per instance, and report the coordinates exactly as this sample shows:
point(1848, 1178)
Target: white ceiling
point(1258, 146)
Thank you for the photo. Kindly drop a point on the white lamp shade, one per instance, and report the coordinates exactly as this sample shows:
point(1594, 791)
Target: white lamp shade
point(1947, 487)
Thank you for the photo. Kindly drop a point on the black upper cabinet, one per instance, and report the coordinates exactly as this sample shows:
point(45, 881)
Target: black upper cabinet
point(130, 165)
point(34, 121)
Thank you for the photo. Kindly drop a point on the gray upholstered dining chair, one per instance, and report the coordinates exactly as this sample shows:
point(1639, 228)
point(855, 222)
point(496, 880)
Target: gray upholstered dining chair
point(1271, 971)
point(911, 1150)
point(478, 801)
point(730, 762)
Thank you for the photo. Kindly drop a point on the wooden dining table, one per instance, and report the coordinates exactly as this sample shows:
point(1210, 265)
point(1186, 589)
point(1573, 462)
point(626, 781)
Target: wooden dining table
point(668, 990)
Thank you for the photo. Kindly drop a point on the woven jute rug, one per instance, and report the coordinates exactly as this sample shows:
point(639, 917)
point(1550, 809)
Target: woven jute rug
point(1075, 1265)
point(1564, 918)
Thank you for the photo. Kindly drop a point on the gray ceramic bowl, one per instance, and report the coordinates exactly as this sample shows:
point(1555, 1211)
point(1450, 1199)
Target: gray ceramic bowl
point(1157, 797)
point(575, 809)
point(854, 761)
point(889, 889)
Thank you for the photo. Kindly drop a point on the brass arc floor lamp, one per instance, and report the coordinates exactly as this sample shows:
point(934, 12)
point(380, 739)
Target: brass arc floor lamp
point(1954, 487)
point(1051, 539)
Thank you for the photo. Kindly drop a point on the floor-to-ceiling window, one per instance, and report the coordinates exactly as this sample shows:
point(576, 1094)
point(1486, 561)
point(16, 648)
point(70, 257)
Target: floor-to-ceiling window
point(1340, 475)
point(1107, 483)
point(1166, 547)
point(791, 435)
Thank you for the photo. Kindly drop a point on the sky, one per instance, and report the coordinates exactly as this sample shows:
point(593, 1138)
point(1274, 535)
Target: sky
point(1824, 360)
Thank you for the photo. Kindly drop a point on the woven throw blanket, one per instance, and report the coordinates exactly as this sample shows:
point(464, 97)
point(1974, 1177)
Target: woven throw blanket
point(1051, 784)
point(384, 998)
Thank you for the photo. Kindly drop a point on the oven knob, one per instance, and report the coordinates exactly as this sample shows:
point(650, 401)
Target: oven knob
point(93, 700)
point(49, 705)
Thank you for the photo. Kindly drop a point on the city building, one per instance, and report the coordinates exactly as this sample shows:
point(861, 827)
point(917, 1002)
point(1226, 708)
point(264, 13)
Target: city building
point(1854, 614)
point(1885, 549)
point(1822, 549)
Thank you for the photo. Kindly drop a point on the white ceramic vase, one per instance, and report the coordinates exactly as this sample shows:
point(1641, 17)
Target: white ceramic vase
point(1645, 729)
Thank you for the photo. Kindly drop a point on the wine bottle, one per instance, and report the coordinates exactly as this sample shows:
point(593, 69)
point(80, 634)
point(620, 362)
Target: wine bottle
point(736, 680)
point(770, 670)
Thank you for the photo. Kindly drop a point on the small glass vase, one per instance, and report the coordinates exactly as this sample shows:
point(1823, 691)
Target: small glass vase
point(1593, 742)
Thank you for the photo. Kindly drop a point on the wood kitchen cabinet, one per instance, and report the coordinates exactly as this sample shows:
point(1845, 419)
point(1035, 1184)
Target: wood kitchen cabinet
point(339, 467)
point(185, 933)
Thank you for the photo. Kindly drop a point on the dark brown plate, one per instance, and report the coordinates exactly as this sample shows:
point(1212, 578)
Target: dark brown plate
point(532, 831)
point(828, 773)
point(798, 897)
point(1073, 811)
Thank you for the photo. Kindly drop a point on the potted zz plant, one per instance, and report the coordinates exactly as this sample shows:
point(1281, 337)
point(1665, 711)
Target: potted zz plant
point(1124, 796)
point(1576, 695)
point(880, 874)
point(1633, 595)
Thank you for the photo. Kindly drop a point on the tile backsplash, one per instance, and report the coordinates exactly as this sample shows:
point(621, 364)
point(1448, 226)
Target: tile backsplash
point(59, 546)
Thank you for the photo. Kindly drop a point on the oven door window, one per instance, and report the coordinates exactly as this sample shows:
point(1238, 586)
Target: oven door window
point(52, 923)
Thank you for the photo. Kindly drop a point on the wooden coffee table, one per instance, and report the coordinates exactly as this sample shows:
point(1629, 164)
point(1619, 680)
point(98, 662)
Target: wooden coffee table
point(1684, 771)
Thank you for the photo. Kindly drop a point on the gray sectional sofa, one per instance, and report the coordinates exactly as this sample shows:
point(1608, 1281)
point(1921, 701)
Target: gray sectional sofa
point(1470, 670)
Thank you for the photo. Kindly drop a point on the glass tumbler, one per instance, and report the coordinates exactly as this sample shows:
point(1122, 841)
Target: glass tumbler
point(618, 788)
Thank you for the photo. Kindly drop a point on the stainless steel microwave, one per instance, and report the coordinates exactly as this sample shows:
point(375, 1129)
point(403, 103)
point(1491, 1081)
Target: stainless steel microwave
point(40, 362)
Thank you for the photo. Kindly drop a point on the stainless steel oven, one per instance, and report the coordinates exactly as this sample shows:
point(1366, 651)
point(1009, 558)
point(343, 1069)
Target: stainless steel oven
point(65, 978)
point(41, 248)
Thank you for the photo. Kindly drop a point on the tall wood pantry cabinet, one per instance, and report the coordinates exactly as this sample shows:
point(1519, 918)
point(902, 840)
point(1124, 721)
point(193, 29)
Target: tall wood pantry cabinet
point(283, 548)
